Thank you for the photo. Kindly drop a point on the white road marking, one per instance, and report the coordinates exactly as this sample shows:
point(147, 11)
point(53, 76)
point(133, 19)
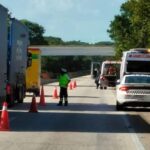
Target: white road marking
point(139, 145)
point(134, 136)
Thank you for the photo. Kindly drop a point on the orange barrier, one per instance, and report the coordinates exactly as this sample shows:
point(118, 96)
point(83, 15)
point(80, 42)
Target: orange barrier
point(42, 98)
point(4, 120)
point(33, 106)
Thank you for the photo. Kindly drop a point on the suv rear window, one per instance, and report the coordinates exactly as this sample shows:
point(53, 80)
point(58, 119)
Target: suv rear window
point(137, 79)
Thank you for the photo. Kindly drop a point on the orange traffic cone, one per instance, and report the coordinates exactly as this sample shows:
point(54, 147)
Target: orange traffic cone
point(70, 85)
point(4, 122)
point(33, 106)
point(55, 95)
point(74, 84)
point(42, 98)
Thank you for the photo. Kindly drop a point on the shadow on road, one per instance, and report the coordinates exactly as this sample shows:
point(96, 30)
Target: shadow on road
point(78, 107)
point(137, 109)
point(75, 122)
point(71, 107)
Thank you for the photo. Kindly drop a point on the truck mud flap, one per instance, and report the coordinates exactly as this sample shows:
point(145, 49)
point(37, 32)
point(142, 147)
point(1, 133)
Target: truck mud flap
point(20, 94)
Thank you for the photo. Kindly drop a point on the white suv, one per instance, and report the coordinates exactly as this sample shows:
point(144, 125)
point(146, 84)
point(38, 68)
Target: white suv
point(133, 90)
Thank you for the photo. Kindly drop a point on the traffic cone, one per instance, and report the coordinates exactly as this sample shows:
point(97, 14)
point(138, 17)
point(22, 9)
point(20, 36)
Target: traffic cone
point(70, 85)
point(42, 98)
point(4, 120)
point(74, 84)
point(33, 106)
point(55, 95)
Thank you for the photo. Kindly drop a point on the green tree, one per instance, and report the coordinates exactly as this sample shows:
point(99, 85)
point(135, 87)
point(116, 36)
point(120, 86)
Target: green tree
point(77, 43)
point(120, 33)
point(58, 41)
point(54, 40)
point(36, 32)
point(131, 28)
point(104, 43)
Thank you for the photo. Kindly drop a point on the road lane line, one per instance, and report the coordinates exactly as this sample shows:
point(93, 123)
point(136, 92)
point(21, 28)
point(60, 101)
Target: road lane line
point(134, 136)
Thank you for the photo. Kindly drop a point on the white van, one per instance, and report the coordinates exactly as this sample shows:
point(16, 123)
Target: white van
point(135, 61)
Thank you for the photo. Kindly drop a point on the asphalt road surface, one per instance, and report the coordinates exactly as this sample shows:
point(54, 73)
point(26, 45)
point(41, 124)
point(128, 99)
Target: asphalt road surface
point(89, 122)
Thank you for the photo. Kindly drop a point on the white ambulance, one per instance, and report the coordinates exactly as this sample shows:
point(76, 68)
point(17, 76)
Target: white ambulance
point(135, 61)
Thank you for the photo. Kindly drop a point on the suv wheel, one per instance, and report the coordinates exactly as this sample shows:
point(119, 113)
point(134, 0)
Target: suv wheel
point(119, 106)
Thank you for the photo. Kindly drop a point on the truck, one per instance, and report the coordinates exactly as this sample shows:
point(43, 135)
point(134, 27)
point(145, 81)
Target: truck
point(14, 37)
point(33, 72)
point(110, 71)
point(17, 58)
point(135, 61)
point(3, 51)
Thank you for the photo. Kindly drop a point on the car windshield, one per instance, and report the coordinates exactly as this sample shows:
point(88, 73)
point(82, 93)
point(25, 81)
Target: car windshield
point(137, 79)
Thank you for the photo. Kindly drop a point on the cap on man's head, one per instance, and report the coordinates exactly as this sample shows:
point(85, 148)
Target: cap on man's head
point(63, 70)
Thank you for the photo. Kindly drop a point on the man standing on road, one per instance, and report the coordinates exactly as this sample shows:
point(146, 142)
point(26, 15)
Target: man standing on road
point(63, 83)
point(97, 81)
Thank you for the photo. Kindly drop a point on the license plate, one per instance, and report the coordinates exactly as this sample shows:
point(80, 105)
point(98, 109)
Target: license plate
point(142, 97)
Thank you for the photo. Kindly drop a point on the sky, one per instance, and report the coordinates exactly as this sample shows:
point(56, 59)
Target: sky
point(84, 20)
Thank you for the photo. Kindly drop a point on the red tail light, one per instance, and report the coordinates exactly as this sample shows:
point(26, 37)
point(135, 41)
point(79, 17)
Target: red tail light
point(124, 88)
point(102, 78)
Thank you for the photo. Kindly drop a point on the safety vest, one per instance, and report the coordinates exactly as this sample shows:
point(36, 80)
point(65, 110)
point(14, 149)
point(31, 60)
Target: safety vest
point(64, 80)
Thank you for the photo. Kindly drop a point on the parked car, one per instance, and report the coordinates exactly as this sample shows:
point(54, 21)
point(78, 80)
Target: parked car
point(133, 90)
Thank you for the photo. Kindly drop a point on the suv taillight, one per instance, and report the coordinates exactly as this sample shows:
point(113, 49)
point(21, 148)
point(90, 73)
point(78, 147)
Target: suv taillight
point(124, 88)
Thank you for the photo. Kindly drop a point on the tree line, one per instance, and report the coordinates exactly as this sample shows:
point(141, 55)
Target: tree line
point(131, 29)
point(52, 64)
point(36, 34)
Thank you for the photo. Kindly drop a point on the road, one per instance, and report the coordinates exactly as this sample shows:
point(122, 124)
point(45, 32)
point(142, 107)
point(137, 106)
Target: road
point(90, 122)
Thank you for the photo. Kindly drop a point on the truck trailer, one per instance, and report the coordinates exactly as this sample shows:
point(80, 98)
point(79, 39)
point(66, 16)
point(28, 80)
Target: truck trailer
point(17, 58)
point(14, 38)
point(3, 51)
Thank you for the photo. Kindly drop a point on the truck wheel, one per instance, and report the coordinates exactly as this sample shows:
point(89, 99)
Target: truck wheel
point(119, 106)
point(105, 87)
point(37, 93)
point(10, 100)
point(101, 87)
point(20, 95)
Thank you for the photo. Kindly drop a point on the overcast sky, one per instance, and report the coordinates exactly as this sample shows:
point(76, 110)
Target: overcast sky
point(84, 20)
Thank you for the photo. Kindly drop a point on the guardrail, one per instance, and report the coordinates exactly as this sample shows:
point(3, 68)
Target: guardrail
point(71, 74)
